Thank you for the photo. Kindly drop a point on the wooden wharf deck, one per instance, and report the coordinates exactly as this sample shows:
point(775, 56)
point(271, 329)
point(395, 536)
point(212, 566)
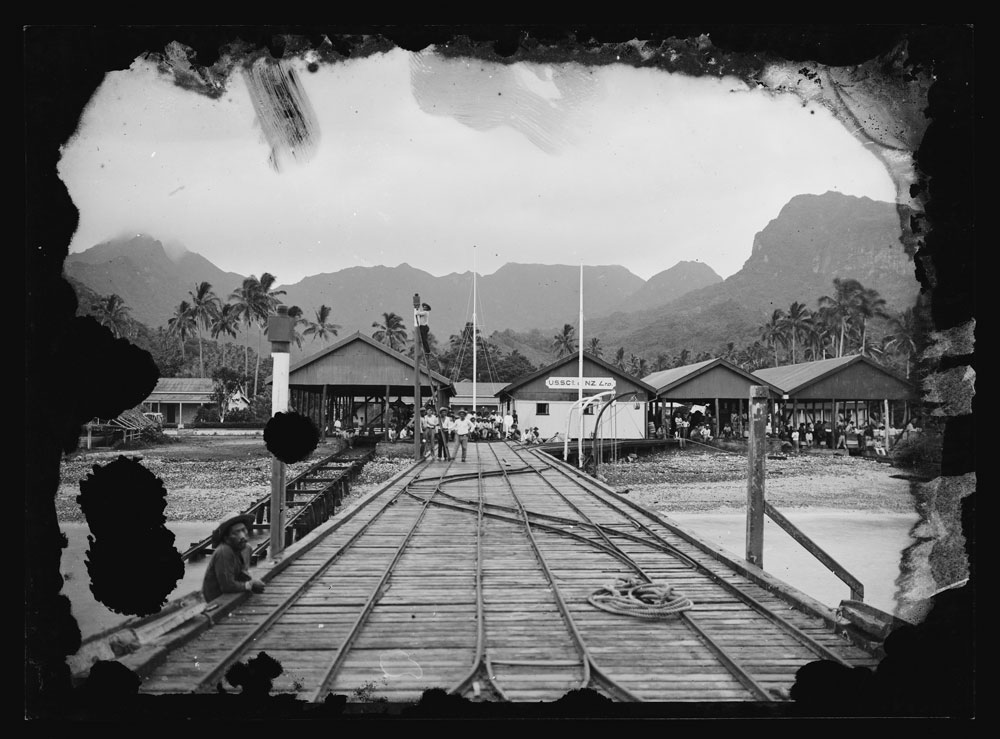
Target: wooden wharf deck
point(475, 577)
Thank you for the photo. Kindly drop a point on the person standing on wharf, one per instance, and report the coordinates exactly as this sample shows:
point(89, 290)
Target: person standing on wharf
point(462, 429)
point(229, 569)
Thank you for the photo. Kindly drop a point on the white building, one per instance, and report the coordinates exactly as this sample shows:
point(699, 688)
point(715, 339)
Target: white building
point(546, 399)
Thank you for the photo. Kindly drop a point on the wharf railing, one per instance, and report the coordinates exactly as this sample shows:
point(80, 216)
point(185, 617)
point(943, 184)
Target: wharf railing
point(313, 495)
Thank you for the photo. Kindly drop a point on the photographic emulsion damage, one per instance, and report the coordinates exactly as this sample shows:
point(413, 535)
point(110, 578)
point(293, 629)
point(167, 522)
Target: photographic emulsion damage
point(682, 424)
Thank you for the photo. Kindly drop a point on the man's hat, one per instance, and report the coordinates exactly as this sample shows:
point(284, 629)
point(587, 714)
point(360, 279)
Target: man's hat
point(461, 413)
point(426, 307)
point(227, 523)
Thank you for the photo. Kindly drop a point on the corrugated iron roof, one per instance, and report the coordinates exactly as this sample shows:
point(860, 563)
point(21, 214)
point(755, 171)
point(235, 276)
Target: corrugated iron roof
point(793, 377)
point(669, 379)
point(132, 418)
point(358, 336)
point(659, 380)
point(178, 385)
point(181, 398)
point(483, 389)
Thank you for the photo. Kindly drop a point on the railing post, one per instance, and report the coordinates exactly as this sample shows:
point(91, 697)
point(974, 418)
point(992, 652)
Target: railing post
point(756, 454)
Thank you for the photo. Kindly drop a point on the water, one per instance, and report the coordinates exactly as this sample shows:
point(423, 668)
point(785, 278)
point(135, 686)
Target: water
point(92, 616)
point(867, 544)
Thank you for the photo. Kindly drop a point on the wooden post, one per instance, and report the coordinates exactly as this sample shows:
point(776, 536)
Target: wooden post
point(416, 380)
point(322, 415)
point(833, 422)
point(280, 329)
point(718, 421)
point(385, 415)
point(757, 453)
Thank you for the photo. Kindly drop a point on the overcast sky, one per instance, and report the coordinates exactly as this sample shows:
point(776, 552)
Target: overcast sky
point(417, 159)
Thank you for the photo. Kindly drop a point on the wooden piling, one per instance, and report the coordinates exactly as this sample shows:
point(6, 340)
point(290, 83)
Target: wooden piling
point(757, 453)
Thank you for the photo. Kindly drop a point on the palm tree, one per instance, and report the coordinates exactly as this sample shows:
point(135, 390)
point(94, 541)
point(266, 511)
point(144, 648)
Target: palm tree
point(662, 362)
point(391, 332)
point(754, 357)
point(264, 304)
point(772, 333)
point(620, 358)
point(902, 340)
point(564, 343)
point(594, 347)
point(225, 324)
point(182, 324)
point(842, 307)
point(869, 304)
point(638, 366)
point(824, 329)
point(111, 312)
point(321, 328)
point(683, 358)
point(796, 323)
point(242, 299)
point(204, 309)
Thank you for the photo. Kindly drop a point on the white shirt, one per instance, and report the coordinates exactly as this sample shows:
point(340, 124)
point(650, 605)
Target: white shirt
point(463, 426)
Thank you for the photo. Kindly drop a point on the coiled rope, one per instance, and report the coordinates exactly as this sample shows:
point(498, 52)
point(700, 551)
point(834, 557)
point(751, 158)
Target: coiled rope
point(633, 597)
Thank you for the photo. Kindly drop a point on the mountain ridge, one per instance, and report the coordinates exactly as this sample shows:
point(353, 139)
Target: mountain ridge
point(812, 239)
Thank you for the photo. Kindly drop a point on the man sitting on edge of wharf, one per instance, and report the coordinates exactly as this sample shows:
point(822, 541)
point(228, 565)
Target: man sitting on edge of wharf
point(229, 569)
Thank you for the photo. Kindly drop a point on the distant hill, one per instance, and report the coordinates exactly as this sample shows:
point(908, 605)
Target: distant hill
point(814, 239)
point(151, 283)
point(516, 296)
point(795, 257)
point(667, 286)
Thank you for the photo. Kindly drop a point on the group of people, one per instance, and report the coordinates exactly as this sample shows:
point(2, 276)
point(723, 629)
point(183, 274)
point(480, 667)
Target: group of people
point(870, 436)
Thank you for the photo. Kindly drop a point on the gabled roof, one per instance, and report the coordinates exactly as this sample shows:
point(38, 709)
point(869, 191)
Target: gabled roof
point(483, 389)
point(666, 380)
point(358, 336)
point(574, 357)
point(182, 390)
point(792, 378)
point(184, 385)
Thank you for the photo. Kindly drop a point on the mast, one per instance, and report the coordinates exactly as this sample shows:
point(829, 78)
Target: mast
point(579, 443)
point(474, 353)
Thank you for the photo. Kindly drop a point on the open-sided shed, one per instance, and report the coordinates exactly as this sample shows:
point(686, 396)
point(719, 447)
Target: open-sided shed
point(359, 374)
point(853, 387)
point(715, 383)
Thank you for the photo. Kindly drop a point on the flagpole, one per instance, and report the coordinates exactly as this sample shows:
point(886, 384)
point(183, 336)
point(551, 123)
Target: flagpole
point(474, 357)
point(579, 443)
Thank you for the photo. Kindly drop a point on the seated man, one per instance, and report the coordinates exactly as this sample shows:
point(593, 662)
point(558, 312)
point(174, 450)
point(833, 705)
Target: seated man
point(229, 568)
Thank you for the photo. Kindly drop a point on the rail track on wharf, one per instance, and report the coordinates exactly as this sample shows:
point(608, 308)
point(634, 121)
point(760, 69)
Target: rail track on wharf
point(476, 577)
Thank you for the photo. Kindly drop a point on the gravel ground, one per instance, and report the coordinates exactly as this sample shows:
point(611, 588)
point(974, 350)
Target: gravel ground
point(698, 480)
point(206, 478)
point(209, 477)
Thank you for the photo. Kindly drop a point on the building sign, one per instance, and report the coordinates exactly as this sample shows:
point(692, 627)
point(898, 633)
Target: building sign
point(573, 383)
